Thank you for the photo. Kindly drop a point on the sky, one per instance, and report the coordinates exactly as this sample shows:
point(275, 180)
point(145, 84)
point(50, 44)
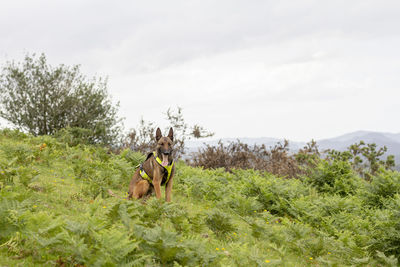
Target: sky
point(285, 69)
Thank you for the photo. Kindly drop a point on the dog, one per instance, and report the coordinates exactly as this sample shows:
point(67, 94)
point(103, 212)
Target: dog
point(157, 170)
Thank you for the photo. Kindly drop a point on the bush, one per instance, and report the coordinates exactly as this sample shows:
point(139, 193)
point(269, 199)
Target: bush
point(386, 235)
point(235, 155)
point(135, 158)
point(366, 159)
point(334, 177)
point(218, 218)
point(385, 185)
point(42, 100)
point(274, 194)
point(220, 223)
point(74, 136)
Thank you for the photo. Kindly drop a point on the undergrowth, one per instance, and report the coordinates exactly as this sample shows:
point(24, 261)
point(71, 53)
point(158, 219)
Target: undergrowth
point(55, 210)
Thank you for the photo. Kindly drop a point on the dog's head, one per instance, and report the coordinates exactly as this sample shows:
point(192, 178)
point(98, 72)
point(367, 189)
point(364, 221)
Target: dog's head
point(165, 145)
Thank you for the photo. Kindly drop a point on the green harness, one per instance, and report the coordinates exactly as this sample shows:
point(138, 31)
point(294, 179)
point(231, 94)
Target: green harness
point(168, 168)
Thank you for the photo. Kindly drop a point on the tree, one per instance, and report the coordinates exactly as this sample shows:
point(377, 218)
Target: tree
point(366, 159)
point(42, 100)
point(142, 138)
point(182, 131)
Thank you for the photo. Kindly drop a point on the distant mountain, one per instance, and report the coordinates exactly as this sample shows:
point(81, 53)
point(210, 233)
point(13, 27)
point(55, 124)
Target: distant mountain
point(193, 146)
point(390, 140)
point(395, 137)
point(268, 141)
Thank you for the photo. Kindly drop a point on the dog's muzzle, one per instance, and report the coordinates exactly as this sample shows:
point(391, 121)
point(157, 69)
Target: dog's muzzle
point(167, 152)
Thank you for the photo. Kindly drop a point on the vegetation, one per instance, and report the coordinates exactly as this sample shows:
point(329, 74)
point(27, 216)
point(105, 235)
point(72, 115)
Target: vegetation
point(233, 205)
point(234, 155)
point(364, 159)
point(42, 100)
point(55, 210)
point(142, 138)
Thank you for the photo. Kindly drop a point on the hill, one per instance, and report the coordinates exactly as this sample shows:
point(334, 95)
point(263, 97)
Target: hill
point(55, 210)
point(390, 140)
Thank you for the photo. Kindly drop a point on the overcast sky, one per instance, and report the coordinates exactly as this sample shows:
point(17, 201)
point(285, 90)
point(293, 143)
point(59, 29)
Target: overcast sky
point(287, 69)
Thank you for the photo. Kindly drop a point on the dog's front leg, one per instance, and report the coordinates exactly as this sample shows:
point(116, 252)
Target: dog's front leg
point(168, 190)
point(157, 179)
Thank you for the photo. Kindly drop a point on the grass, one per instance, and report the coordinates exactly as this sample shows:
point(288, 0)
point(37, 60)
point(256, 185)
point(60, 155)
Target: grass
point(55, 210)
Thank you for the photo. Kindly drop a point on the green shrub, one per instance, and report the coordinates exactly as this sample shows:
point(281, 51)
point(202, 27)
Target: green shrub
point(240, 204)
point(27, 174)
point(383, 186)
point(55, 210)
point(14, 134)
point(274, 194)
point(134, 158)
point(7, 172)
point(334, 177)
point(74, 136)
point(42, 99)
point(219, 222)
point(386, 226)
point(22, 153)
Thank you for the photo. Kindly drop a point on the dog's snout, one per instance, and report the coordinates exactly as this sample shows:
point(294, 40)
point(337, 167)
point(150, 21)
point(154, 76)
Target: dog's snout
point(166, 152)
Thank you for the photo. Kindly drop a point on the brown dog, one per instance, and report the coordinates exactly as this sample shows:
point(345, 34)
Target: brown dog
point(158, 169)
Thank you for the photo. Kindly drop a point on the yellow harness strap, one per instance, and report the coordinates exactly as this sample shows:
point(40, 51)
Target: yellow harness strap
point(168, 168)
point(144, 175)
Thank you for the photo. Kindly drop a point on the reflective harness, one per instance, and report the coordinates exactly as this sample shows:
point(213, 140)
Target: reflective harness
point(168, 168)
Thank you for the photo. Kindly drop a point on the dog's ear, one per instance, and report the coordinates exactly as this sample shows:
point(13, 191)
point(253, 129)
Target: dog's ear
point(171, 134)
point(158, 134)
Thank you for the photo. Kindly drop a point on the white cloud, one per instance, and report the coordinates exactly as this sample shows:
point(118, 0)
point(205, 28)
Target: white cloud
point(304, 69)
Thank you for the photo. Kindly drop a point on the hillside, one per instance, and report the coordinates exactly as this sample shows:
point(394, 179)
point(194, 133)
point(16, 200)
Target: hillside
point(55, 211)
point(390, 140)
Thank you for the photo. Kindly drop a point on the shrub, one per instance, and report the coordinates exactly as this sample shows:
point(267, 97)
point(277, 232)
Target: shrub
point(219, 222)
point(274, 194)
point(236, 155)
point(386, 223)
point(335, 177)
point(74, 136)
point(134, 158)
point(42, 100)
point(366, 159)
point(218, 218)
point(382, 187)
